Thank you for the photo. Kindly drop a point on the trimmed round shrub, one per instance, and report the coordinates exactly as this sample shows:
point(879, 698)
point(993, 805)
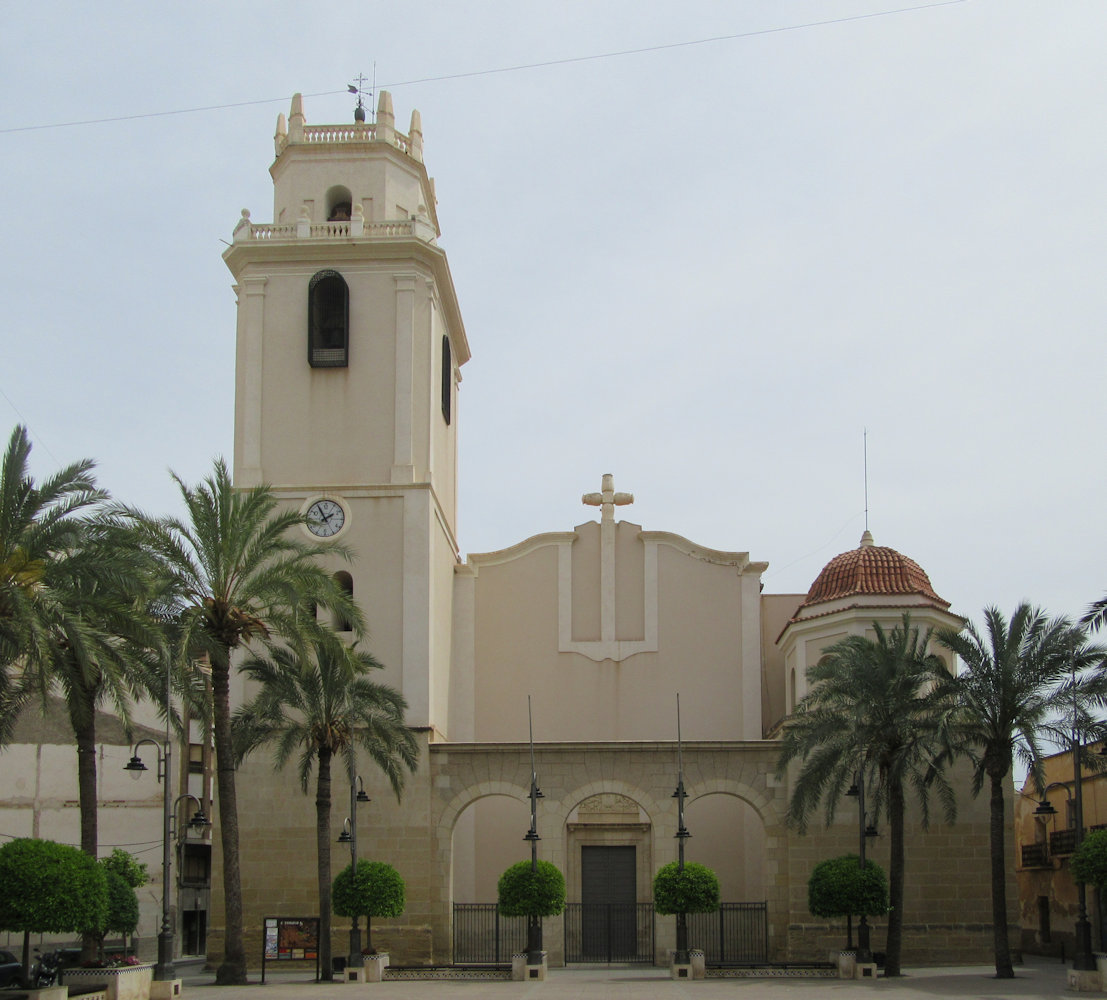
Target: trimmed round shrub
point(377, 890)
point(524, 892)
point(48, 888)
point(839, 887)
point(694, 890)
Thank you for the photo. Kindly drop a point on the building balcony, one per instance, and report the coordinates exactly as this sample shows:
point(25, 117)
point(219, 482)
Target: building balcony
point(1062, 842)
point(1035, 856)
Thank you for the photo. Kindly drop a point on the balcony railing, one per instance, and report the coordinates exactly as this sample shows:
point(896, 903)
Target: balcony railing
point(1035, 856)
point(1062, 842)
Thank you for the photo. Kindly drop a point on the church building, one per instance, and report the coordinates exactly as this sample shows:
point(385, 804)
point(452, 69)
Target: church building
point(350, 351)
point(350, 348)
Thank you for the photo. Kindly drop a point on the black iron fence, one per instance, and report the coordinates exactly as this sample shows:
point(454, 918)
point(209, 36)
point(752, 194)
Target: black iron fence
point(482, 936)
point(735, 934)
point(609, 932)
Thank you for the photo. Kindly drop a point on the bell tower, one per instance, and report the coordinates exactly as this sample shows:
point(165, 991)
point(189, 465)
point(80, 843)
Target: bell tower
point(349, 349)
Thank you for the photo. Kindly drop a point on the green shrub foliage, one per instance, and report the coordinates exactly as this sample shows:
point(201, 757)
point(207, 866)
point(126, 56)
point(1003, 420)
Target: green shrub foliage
point(122, 914)
point(127, 866)
point(1089, 860)
point(50, 888)
point(377, 890)
point(839, 887)
point(694, 890)
point(524, 892)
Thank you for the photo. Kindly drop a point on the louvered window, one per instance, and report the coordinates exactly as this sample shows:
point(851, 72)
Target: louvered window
point(328, 321)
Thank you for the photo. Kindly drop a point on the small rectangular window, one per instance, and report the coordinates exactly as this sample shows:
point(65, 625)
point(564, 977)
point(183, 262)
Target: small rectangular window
point(447, 378)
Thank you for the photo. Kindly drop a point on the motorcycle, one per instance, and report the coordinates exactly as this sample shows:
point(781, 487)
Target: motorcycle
point(45, 970)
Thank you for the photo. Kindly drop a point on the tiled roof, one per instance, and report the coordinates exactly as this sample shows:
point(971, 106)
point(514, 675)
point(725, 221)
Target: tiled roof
point(870, 569)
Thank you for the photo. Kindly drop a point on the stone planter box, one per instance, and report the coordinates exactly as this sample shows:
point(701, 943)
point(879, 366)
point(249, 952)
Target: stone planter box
point(521, 971)
point(128, 982)
point(375, 966)
point(43, 993)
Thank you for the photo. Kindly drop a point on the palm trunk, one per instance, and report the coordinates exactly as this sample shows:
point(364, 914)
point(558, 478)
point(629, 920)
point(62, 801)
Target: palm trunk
point(323, 852)
point(82, 717)
point(232, 970)
point(997, 828)
point(894, 945)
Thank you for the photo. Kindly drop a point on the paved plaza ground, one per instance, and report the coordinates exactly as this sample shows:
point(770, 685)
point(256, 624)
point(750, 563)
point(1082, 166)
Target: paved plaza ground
point(1036, 978)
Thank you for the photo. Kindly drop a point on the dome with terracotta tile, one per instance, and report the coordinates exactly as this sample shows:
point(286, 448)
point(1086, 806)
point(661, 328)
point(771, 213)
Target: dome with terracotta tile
point(873, 571)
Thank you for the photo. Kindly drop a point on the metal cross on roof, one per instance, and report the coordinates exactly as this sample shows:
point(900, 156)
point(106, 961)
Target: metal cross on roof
point(607, 500)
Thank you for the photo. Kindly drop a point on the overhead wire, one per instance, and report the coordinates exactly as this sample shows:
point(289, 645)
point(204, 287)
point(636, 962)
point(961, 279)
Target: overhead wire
point(566, 61)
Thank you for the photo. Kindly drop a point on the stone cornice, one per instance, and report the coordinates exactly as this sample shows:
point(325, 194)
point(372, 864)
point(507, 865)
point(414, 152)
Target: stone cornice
point(474, 560)
point(740, 560)
point(600, 746)
point(338, 251)
point(853, 611)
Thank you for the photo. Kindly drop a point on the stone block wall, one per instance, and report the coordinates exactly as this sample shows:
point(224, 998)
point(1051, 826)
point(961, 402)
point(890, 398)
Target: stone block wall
point(948, 917)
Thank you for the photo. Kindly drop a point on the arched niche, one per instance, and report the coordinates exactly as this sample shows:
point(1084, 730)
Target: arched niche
point(728, 835)
point(487, 838)
point(339, 204)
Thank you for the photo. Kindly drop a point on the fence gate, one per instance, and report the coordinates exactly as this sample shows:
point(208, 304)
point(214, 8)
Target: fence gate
point(483, 937)
point(609, 932)
point(737, 934)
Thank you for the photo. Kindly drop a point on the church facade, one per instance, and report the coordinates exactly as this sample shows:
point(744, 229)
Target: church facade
point(350, 347)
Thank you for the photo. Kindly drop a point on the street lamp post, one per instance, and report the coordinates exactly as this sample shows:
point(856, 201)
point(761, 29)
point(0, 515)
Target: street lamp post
point(534, 922)
point(864, 948)
point(682, 834)
point(1083, 960)
point(164, 969)
point(349, 835)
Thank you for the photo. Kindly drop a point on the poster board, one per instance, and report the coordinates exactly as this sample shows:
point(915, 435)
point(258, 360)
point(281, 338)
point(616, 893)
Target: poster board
point(290, 939)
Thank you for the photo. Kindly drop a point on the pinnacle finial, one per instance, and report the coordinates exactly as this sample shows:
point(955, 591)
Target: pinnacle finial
point(415, 137)
point(280, 137)
point(296, 119)
point(384, 107)
point(386, 120)
point(866, 539)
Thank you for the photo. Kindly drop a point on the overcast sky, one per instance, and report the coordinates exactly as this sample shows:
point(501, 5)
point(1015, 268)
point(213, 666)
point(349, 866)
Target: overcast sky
point(705, 269)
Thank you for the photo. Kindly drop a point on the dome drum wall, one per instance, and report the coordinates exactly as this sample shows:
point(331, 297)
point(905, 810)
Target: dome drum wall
point(866, 584)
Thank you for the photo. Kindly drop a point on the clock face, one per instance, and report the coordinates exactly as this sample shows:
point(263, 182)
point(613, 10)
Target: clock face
point(325, 518)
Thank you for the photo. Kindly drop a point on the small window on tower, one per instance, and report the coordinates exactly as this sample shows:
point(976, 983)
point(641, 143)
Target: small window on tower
point(328, 321)
point(447, 378)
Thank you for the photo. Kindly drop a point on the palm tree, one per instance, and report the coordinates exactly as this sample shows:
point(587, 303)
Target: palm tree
point(123, 654)
point(40, 527)
point(875, 705)
point(1005, 697)
point(323, 705)
point(237, 576)
point(72, 608)
point(1096, 616)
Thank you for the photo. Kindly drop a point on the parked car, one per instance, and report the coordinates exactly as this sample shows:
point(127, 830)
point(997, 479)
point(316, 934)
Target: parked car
point(11, 969)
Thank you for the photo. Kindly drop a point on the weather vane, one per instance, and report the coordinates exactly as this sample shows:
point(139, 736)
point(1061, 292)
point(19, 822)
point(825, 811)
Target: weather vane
point(358, 87)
